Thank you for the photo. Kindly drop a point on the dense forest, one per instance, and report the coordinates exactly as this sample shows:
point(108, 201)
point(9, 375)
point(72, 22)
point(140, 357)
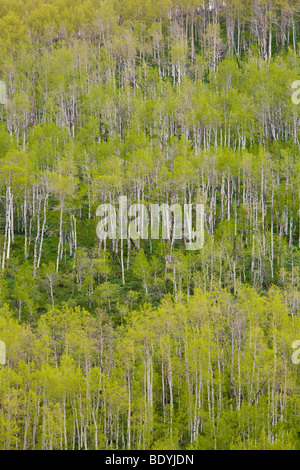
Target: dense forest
point(141, 344)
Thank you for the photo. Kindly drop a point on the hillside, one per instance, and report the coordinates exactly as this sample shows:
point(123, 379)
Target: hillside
point(142, 343)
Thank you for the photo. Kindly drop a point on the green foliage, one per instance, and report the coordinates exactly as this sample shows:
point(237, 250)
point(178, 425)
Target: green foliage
point(142, 344)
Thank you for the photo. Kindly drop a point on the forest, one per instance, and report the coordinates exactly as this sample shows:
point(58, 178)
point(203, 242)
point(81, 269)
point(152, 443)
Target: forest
point(142, 344)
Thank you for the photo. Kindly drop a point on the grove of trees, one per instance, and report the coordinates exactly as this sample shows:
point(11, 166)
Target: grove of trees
point(122, 344)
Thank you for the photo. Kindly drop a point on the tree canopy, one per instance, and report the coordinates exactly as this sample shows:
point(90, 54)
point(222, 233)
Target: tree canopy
point(126, 344)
